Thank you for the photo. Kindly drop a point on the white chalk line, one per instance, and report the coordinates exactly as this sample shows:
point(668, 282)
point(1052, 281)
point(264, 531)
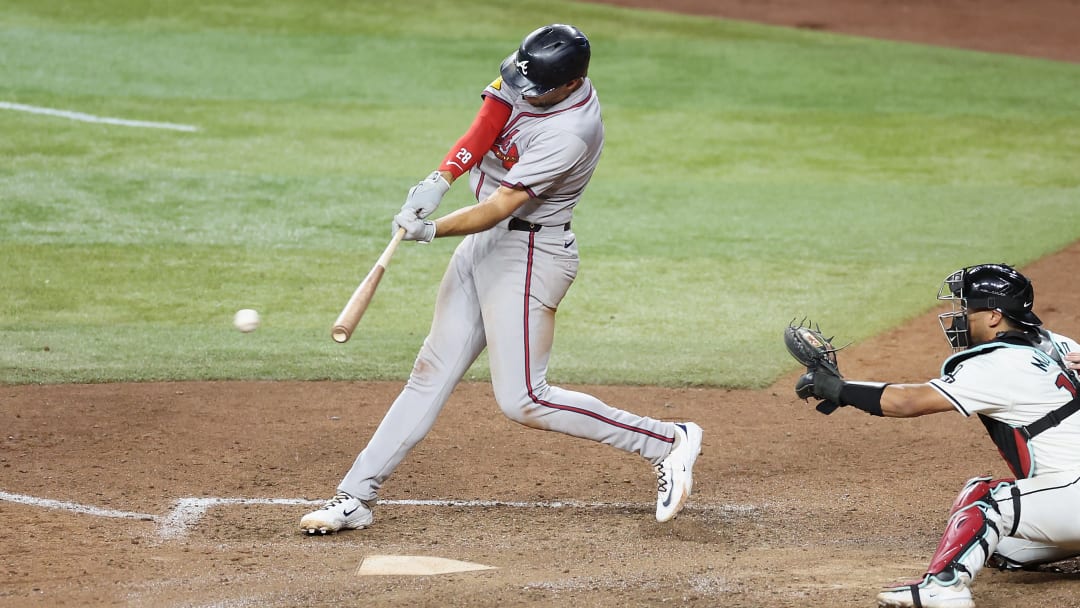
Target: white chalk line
point(82, 117)
point(74, 507)
point(188, 511)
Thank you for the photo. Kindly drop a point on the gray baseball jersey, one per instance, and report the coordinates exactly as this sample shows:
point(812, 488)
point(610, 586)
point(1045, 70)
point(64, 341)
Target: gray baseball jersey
point(549, 153)
point(501, 291)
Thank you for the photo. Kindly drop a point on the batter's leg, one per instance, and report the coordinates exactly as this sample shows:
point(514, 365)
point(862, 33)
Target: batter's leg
point(455, 341)
point(518, 302)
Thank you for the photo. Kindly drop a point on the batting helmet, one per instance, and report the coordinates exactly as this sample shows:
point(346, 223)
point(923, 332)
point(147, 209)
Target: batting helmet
point(997, 287)
point(547, 58)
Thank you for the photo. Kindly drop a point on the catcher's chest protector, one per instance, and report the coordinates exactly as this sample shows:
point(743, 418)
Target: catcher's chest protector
point(1011, 441)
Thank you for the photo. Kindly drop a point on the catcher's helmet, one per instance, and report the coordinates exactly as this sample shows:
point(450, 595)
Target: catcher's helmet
point(547, 58)
point(997, 287)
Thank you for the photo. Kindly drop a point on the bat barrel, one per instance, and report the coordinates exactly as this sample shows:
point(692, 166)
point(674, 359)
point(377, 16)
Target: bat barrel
point(358, 303)
point(356, 306)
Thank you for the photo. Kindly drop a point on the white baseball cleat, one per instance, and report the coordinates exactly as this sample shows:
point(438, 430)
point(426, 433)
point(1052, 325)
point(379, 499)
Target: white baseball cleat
point(931, 594)
point(343, 511)
point(675, 475)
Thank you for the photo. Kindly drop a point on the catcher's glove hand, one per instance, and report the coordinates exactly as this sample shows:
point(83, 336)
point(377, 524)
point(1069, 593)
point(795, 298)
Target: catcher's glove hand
point(822, 379)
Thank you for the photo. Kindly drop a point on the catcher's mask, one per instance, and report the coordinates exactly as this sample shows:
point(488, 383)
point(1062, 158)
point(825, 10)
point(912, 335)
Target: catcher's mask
point(548, 58)
point(985, 287)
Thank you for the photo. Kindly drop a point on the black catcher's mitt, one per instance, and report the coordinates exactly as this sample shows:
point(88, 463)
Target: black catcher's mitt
point(812, 349)
point(809, 346)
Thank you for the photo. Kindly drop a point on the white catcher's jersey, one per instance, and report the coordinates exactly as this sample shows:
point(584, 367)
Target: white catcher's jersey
point(1017, 385)
point(549, 152)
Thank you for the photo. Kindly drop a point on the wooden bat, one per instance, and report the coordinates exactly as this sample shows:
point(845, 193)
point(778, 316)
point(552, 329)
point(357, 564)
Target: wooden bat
point(358, 303)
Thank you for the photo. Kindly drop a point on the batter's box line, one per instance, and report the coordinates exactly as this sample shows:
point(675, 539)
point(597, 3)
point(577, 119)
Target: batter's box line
point(188, 511)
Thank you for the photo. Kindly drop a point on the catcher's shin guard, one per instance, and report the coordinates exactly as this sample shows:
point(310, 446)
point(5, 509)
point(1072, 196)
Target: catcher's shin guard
point(971, 534)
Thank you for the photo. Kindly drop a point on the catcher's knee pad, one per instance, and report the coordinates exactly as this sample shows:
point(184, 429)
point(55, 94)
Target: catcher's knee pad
point(971, 534)
point(977, 489)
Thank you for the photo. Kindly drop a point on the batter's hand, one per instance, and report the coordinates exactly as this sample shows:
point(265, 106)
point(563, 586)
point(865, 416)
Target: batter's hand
point(1072, 360)
point(416, 229)
point(424, 198)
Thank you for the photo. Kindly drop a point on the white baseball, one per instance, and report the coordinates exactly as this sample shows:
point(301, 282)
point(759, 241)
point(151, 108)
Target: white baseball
point(246, 320)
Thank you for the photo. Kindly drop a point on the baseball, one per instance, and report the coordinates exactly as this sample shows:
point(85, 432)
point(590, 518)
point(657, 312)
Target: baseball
point(246, 320)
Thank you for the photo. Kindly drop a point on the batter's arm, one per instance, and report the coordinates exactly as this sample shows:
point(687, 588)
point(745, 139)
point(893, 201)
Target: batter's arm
point(911, 400)
point(489, 121)
point(482, 215)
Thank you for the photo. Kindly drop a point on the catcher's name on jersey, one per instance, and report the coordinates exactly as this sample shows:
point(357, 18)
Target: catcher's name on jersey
point(1016, 385)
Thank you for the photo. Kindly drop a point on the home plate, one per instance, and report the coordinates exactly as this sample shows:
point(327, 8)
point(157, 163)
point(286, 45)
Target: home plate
point(413, 565)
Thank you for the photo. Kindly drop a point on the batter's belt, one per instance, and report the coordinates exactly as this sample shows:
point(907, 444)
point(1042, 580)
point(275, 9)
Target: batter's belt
point(522, 225)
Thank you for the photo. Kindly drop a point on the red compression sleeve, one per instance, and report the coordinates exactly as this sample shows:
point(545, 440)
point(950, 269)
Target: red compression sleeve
point(478, 139)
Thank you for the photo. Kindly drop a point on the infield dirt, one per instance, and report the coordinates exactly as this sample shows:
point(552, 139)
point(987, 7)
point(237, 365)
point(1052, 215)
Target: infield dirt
point(790, 508)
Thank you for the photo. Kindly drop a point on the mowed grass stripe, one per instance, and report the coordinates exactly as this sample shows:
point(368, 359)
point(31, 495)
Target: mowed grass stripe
point(751, 174)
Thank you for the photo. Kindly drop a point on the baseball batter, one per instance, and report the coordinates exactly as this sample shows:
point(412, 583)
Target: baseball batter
point(530, 153)
point(1016, 377)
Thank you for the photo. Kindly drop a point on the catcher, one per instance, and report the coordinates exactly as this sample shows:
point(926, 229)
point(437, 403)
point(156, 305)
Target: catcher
point(1017, 378)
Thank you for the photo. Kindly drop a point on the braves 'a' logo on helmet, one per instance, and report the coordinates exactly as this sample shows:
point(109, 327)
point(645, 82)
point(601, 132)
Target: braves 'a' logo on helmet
point(523, 67)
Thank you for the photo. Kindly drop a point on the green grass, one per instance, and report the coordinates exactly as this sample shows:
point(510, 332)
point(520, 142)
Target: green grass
point(750, 175)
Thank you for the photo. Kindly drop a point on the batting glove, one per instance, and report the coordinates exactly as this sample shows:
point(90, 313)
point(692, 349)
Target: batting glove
point(424, 198)
point(416, 229)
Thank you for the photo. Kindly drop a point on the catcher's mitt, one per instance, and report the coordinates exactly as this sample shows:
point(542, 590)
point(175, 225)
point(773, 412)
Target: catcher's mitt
point(810, 347)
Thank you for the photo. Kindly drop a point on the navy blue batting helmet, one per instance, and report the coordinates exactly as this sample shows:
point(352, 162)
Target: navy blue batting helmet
point(548, 58)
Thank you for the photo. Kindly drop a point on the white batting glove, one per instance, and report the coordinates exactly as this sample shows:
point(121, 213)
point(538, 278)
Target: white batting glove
point(416, 229)
point(424, 198)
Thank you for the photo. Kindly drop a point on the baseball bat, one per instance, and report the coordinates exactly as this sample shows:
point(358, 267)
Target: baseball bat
point(358, 303)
